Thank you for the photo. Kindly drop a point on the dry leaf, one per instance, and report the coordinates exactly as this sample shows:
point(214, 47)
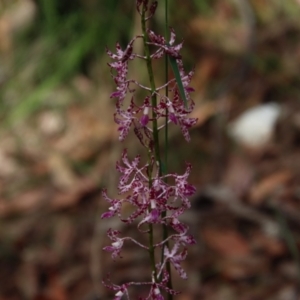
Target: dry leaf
point(204, 72)
point(24, 203)
point(268, 185)
point(60, 171)
point(236, 269)
point(56, 290)
point(226, 242)
point(273, 246)
point(203, 112)
point(73, 196)
point(53, 291)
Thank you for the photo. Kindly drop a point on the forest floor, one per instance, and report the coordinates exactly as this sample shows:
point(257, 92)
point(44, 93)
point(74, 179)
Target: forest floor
point(245, 215)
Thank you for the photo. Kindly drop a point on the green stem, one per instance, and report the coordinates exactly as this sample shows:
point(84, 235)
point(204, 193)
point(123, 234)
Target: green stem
point(165, 228)
point(167, 88)
point(153, 90)
point(155, 132)
point(156, 140)
point(151, 237)
point(152, 252)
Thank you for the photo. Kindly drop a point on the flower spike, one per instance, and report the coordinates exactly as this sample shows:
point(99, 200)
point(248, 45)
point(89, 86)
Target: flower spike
point(148, 195)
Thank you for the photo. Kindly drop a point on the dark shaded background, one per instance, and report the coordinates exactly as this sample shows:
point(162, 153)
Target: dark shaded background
point(59, 145)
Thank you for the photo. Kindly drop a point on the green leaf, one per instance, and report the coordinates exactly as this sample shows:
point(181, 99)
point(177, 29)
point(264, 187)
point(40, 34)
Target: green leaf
point(176, 72)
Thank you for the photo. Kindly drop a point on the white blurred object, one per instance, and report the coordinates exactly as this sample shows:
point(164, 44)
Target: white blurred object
point(254, 128)
point(51, 123)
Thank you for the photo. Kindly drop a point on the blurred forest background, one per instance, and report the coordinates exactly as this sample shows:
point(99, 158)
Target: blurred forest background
point(59, 145)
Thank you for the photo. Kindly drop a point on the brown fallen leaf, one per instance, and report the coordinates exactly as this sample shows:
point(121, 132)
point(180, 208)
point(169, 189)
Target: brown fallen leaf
point(273, 246)
point(236, 269)
point(204, 72)
point(61, 173)
point(27, 202)
point(227, 242)
point(53, 291)
point(268, 185)
point(73, 196)
point(56, 289)
point(203, 112)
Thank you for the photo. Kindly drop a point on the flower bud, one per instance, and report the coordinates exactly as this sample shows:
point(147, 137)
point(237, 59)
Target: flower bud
point(145, 118)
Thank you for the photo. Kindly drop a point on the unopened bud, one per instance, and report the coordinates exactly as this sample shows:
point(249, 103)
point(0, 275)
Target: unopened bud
point(145, 118)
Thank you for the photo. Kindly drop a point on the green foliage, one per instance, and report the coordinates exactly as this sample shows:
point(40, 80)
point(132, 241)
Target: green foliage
point(66, 38)
point(204, 6)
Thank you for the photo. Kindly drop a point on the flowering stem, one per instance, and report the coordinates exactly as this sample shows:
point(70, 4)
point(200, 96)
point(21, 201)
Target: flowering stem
point(151, 252)
point(154, 128)
point(165, 228)
point(153, 90)
point(166, 90)
point(158, 197)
